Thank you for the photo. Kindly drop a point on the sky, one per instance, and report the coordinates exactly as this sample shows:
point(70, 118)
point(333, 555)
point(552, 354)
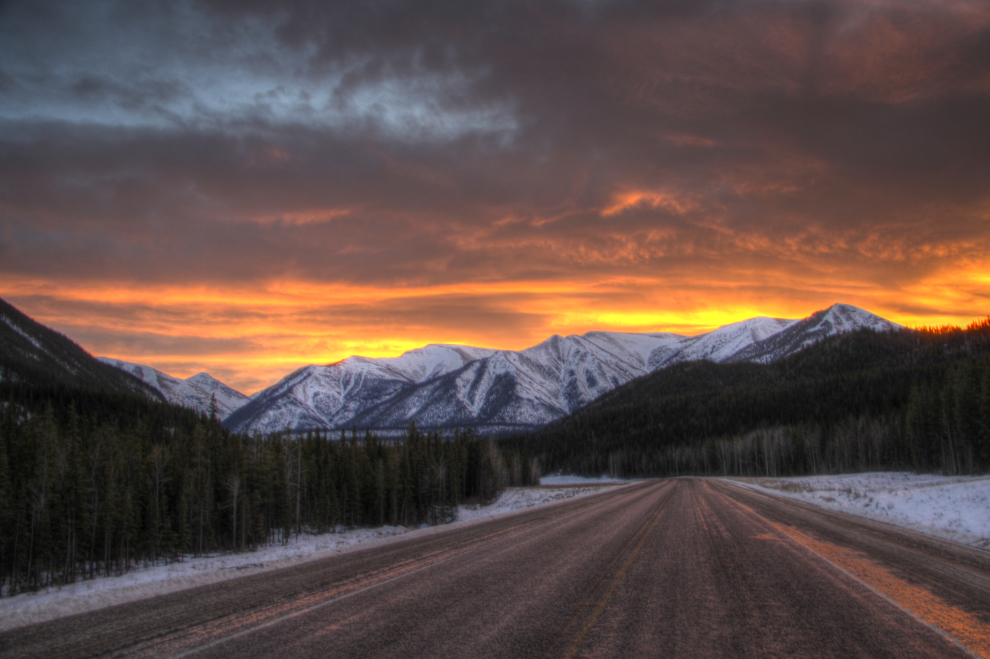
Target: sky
point(245, 187)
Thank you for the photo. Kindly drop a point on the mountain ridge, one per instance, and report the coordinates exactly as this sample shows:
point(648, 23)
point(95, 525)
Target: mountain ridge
point(33, 354)
point(195, 392)
point(438, 385)
point(511, 389)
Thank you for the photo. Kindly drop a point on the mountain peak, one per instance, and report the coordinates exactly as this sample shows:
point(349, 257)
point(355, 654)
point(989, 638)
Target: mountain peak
point(195, 392)
point(846, 317)
point(797, 335)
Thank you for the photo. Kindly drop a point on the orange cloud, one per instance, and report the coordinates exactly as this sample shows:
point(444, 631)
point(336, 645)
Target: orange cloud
point(647, 199)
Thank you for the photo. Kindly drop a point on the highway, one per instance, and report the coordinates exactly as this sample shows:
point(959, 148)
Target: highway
point(673, 568)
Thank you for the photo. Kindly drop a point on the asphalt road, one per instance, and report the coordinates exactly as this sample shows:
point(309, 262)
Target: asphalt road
point(679, 568)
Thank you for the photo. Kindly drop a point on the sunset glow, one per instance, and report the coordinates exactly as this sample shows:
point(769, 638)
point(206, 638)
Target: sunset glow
point(244, 192)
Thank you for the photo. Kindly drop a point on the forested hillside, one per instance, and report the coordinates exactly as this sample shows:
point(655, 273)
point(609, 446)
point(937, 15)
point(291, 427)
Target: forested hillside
point(866, 400)
point(36, 356)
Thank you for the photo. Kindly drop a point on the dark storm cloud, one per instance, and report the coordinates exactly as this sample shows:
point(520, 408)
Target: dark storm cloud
point(597, 91)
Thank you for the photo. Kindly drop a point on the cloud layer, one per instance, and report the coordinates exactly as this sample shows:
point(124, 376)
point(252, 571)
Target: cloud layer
point(245, 187)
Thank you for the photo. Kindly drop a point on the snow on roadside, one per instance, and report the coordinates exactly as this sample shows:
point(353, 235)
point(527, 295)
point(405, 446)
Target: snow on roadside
point(518, 498)
point(564, 479)
point(950, 507)
point(150, 581)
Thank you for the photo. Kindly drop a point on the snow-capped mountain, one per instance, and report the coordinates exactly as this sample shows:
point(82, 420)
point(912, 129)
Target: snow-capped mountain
point(527, 388)
point(228, 399)
point(721, 344)
point(837, 319)
point(451, 386)
point(194, 392)
point(332, 396)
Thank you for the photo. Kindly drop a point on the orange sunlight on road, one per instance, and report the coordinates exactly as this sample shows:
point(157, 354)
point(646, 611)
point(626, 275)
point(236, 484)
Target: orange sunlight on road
point(929, 607)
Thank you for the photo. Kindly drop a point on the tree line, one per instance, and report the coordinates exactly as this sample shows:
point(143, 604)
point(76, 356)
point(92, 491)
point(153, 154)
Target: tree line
point(132, 481)
point(912, 399)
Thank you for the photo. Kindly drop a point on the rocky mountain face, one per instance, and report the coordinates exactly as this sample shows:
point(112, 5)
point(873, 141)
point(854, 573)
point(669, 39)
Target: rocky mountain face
point(837, 319)
point(500, 390)
point(333, 396)
point(195, 392)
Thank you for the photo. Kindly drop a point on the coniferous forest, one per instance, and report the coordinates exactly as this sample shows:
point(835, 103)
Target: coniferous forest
point(917, 400)
point(92, 483)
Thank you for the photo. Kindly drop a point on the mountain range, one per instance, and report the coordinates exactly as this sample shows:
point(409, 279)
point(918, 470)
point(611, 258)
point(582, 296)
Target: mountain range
point(502, 390)
point(435, 386)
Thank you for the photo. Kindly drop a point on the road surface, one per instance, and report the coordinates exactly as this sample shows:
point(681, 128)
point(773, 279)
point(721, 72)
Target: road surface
point(678, 568)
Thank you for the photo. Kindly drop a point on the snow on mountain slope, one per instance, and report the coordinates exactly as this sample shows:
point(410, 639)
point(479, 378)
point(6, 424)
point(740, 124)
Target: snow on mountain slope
point(319, 397)
point(332, 396)
point(227, 398)
point(433, 360)
point(631, 348)
point(525, 388)
point(837, 319)
point(12, 324)
point(452, 386)
point(719, 345)
point(483, 392)
point(577, 369)
point(195, 392)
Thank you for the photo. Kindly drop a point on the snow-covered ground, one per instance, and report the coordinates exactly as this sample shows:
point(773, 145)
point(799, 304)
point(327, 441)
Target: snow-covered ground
point(564, 479)
point(526, 497)
point(152, 580)
point(951, 507)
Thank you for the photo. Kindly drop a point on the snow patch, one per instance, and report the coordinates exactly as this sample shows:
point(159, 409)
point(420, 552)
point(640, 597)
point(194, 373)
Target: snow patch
point(567, 479)
point(27, 336)
point(527, 497)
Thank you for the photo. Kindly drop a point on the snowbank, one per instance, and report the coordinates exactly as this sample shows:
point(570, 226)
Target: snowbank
point(563, 479)
point(527, 497)
point(950, 507)
point(152, 580)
